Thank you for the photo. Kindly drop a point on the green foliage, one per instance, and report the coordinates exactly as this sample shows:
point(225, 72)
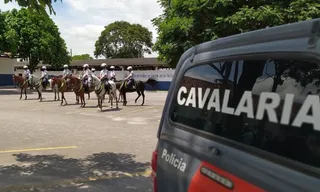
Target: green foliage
point(37, 5)
point(123, 40)
point(36, 37)
point(82, 57)
point(186, 23)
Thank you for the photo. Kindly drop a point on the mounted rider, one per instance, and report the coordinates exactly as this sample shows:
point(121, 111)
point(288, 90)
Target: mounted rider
point(130, 78)
point(66, 73)
point(104, 73)
point(86, 78)
point(44, 77)
point(112, 74)
point(26, 73)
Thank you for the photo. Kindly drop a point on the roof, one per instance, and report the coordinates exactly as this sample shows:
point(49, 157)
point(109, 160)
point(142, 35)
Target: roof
point(116, 62)
point(120, 62)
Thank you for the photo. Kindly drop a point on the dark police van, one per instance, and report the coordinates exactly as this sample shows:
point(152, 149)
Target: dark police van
point(243, 114)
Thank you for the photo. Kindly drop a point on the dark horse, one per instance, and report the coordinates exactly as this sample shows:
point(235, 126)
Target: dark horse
point(140, 87)
point(23, 84)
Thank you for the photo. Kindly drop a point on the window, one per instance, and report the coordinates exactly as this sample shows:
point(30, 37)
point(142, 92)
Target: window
point(272, 105)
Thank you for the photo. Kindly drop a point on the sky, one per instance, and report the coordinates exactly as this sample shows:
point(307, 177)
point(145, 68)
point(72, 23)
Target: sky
point(81, 21)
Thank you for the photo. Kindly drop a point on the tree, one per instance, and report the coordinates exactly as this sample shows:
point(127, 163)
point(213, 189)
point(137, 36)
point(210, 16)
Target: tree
point(123, 40)
point(37, 5)
point(186, 23)
point(36, 37)
point(82, 57)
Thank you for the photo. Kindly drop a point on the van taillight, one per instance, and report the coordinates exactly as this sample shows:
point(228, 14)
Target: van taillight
point(154, 169)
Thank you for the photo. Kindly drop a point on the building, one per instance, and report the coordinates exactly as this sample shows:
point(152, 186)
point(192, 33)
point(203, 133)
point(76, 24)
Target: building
point(6, 70)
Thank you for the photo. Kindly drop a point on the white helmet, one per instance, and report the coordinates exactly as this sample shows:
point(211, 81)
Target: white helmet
point(93, 69)
point(25, 67)
point(129, 68)
point(65, 66)
point(85, 65)
point(44, 67)
point(112, 67)
point(103, 65)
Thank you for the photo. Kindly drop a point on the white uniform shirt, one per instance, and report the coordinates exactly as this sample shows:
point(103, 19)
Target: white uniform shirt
point(44, 74)
point(66, 72)
point(103, 73)
point(26, 73)
point(130, 76)
point(87, 73)
point(112, 74)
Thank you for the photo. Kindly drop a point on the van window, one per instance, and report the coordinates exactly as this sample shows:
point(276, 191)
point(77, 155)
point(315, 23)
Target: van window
point(272, 105)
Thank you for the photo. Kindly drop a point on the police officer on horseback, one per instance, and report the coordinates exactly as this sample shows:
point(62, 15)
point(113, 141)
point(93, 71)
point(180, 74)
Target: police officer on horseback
point(44, 76)
point(112, 74)
point(66, 73)
point(26, 73)
point(104, 73)
point(130, 78)
point(87, 75)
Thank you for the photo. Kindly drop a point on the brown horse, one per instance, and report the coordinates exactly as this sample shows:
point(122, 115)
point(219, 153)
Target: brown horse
point(22, 83)
point(62, 87)
point(78, 89)
point(140, 87)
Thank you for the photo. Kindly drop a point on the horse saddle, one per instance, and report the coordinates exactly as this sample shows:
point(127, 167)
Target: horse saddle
point(131, 85)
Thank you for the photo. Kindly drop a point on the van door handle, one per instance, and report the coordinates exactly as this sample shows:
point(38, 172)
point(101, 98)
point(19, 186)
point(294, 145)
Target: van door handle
point(213, 150)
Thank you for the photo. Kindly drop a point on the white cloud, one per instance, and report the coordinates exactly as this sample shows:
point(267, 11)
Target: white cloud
point(81, 21)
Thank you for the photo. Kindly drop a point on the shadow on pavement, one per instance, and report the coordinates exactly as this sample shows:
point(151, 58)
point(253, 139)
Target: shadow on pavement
point(97, 172)
point(15, 92)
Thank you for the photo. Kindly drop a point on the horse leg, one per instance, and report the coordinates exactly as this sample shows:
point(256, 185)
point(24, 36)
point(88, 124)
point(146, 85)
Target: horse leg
point(21, 93)
point(84, 101)
point(55, 95)
point(25, 94)
point(88, 96)
point(135, 101)
point(115, 97)
point(39, 96)
point(124, 99)
point(111, 99)
point(65, 101)
point(142, 92)
point(58, 95)
point(62, 97)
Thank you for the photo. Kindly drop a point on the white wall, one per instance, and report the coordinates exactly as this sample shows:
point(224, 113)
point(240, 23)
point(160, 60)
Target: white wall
point(7, 65)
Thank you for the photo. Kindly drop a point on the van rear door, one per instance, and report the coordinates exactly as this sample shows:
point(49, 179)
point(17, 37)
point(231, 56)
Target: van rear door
point(243, 114)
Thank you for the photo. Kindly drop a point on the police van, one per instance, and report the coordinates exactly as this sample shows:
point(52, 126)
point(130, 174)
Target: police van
point(243, 114)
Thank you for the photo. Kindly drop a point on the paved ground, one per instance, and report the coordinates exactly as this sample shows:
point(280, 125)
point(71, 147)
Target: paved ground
point(48, 147)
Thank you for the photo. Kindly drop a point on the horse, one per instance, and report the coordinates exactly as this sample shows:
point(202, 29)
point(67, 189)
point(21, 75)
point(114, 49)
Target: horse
point(36, 82)
point(101, 89)
point(78, 90)
point(140, 87)
point(22, 83)
point(54, 90)
point(62, 87)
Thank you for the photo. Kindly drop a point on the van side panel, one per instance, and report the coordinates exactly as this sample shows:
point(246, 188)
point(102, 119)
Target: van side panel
point(219, 148)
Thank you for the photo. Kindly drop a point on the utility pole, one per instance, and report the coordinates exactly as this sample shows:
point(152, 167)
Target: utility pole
point(71, 52)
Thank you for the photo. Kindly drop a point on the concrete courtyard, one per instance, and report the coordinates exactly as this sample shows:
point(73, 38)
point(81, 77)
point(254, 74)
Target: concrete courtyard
point(48, 147)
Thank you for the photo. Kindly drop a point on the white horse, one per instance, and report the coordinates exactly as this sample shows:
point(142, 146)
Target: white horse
point(101, 89)
point(55, 90)
point(36, 82)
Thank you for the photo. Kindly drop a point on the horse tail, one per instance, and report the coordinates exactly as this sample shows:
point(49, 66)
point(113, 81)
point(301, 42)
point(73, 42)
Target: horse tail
point(151, 82)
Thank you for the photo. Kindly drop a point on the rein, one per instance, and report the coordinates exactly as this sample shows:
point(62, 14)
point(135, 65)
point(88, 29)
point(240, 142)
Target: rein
point(24, 82)
point(62, 84)
point(100, 89)
point(81, 86)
